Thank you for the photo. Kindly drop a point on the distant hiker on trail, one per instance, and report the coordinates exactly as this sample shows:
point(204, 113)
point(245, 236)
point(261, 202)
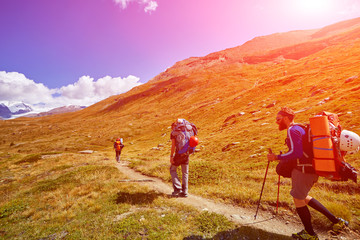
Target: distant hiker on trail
point(302, 177)
point(184, 141)
point(118, 146)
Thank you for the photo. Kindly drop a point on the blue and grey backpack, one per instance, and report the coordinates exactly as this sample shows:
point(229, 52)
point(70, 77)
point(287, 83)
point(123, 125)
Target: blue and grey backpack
point(182, 132)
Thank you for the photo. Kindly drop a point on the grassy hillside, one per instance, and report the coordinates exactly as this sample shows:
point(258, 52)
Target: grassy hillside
point(44, 179)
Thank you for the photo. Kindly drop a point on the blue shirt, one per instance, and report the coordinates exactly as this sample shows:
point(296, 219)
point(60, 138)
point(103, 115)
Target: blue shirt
point(294, 142)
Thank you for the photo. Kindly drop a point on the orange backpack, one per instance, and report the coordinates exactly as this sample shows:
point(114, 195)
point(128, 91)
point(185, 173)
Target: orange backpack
point(118, 145)
point(325, 133)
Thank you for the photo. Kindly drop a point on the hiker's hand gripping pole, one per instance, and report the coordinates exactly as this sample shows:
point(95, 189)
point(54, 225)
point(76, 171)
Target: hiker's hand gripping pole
point(267, 167)
point(271, 156)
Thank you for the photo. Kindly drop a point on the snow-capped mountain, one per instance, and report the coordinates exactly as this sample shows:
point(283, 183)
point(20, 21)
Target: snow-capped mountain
point(12, 110)
point(64, 109)
point(19, 108)
point(4, 111)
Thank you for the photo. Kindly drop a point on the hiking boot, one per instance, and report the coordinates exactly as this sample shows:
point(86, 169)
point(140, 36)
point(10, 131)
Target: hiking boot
point(175, 193)
point(183, 195)
point(304, 235)
point(337, 227)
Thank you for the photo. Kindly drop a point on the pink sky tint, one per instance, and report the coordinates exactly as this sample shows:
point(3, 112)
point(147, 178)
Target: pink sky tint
point(57, 42)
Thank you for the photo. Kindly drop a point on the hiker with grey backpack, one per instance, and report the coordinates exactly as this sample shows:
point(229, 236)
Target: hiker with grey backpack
point(183, 143)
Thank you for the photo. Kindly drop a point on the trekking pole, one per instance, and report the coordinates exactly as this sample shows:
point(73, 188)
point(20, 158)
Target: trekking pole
point(277, 200)
point(257, 209)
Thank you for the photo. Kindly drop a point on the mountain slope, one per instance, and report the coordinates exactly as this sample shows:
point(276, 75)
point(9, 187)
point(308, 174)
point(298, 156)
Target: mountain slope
point(211, 92)
point(294, 44)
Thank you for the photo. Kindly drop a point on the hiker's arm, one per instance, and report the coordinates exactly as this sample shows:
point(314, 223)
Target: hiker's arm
point(172, 150)
point(296, 149)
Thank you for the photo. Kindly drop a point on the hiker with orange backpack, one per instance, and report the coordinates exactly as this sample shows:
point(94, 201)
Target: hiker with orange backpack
point(118, 146)
point(184, 140)
point(299, 168)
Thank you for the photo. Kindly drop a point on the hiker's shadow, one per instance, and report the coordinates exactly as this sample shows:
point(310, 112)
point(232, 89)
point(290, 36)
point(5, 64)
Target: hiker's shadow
point(137, 197)
point(242, 233)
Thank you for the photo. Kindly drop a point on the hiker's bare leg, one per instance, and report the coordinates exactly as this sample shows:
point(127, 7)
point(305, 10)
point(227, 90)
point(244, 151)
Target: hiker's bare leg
point(299, 202)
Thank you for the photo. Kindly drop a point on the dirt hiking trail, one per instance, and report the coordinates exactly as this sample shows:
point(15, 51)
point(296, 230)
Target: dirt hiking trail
point(240, 216)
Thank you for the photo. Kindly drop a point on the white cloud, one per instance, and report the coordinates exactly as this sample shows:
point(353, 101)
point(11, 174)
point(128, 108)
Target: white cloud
point(123, 3)
point(87, 88)
point(149, 5)
point(84, 87)
point(15, 87)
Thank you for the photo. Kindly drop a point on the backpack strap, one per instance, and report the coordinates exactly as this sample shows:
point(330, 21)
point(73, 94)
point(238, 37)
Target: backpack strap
point(304, 167)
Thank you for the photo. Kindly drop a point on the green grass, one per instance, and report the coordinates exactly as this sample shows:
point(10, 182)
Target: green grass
point(83, 199)
point(212, 223)
point(12, 207)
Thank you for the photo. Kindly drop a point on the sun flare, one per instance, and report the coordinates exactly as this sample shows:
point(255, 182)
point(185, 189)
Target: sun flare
point(314, 6)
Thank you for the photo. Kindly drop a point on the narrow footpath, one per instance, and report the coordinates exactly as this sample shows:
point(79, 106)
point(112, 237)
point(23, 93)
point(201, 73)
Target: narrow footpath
point(238, 215)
